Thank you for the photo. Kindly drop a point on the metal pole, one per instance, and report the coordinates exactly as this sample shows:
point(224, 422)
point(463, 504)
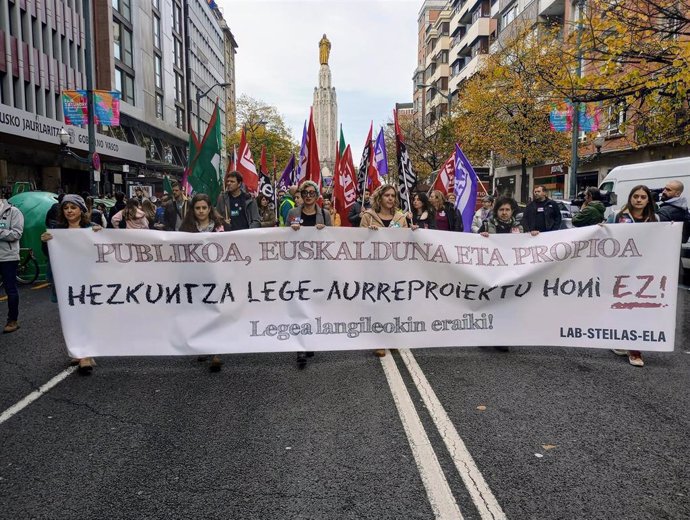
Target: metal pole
point(576, 106)
point(88, 66)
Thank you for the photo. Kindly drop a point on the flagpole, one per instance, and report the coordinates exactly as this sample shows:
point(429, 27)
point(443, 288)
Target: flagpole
point(433, 183)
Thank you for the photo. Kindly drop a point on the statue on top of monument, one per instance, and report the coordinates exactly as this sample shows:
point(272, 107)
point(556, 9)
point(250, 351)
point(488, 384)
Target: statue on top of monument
point(324, 50)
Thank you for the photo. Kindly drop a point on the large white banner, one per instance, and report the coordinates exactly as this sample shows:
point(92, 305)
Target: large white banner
point(127, 292)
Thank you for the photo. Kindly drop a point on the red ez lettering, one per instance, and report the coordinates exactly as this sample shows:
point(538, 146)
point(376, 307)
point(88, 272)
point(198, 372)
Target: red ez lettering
point(642, 284)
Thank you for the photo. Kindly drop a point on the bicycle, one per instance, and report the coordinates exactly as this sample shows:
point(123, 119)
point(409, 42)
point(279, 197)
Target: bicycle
point(27, 270)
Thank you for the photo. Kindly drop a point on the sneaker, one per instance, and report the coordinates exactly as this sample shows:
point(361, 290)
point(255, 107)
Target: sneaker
point(10, 327)
point(619, 352)
point(216, 363)
point(635, 359)
point(380, 352)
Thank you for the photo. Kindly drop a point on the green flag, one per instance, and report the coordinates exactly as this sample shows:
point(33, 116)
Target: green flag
point(167, 187)
point(204, 166)
point(342, 142)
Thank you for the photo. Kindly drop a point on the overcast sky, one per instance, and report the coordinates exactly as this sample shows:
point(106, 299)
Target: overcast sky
point(373, 56)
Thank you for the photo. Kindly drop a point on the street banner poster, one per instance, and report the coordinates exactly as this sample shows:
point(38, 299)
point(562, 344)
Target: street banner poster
point(106, 107)
point(140, 292)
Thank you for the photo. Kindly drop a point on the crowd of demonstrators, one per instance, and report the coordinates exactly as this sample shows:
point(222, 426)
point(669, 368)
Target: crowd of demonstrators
point(235, 209)
point(308, 214)
point(72, 214)
point(11, 230)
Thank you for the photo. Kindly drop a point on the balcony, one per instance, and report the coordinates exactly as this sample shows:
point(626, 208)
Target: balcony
point(482, 27)
point(442, 71)
point(551, 7)
point(470, 68)
point(527, 17)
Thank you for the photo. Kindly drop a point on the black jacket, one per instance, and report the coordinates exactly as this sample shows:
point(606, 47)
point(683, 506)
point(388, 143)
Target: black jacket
point(552, 216)
point(171, 213)
point(354, 216)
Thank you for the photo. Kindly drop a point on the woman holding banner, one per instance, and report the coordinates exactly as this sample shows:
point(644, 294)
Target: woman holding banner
point(204, 219)
point(384, 213)
point(447, 217)
point(311, 215)
point(73, 214)
point(639, 208)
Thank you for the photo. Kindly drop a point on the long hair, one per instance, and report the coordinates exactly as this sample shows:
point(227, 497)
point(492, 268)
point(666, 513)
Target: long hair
point(648, 212)
point(378, 195)
point(84, 219)
point(426, 205)
point(189, 223)
point(439, 196)
point(150, 210)
point(131, 209)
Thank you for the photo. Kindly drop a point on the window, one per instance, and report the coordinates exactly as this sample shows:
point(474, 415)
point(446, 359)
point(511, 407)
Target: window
point(179, 88)
point(617, 115)
point(124, 8)
point(124, 83)
point(508, 17)
point(122, 44)
point(156, 32)
point(177, 51)
point(179, 118)
point(159, 106)
point(177, 18)
point(158, 69)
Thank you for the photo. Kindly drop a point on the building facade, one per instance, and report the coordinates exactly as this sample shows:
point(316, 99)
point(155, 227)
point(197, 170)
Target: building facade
point(428, 14)
point(42, 53)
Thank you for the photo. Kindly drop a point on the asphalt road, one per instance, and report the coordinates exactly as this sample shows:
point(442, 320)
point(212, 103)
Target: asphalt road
point(555, 433)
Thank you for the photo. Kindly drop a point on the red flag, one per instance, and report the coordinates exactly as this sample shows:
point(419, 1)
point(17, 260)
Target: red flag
point(345, 186)
point(446, 175)
point(264, 165)
point(245, 165)
point(313, 167)
point(232, 162)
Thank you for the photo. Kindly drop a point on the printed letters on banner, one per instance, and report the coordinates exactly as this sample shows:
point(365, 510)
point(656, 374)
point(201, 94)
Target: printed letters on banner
point(272, 290)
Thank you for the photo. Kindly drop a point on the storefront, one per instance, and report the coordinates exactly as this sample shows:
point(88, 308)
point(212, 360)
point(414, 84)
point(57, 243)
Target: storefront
point(505, 186)
point(586, 180)
point(552, 178)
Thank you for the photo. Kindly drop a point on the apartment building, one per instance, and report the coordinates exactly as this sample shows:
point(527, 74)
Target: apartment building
point(436, 71)
point(42, 52)
point(428, 14)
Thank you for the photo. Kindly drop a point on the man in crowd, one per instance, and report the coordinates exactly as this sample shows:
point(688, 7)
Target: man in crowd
point(542, 214)
point(674, 207)
point(592, 210)
point(356, 211)
point(239, 209)
point(11, 229)
point(176, 209)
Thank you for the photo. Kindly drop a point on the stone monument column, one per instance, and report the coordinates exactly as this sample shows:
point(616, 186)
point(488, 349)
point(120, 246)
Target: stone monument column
point(325, 112)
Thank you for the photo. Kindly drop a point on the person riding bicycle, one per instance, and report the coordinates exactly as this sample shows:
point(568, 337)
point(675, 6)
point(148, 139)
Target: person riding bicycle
point(11, 229)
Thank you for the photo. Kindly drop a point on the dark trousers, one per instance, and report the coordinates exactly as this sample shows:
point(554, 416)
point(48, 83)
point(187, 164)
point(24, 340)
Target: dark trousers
point(8, 270)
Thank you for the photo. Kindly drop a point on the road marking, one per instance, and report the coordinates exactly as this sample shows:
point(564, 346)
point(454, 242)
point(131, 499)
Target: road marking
point(441, 498)
point(18, 407)
point(479, 490)
point(40, 286)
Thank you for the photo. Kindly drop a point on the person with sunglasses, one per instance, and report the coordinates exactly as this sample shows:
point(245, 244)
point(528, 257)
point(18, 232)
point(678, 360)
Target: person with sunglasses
point(311, 215)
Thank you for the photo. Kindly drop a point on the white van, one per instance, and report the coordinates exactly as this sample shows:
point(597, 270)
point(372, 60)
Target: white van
point(655, 174)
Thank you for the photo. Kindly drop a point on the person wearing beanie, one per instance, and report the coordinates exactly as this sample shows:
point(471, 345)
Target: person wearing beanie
point(73, 214)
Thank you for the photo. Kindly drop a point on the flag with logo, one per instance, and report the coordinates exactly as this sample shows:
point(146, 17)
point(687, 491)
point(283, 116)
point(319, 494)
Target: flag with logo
point(407, 179)
point(246, 166)
point(446, 175)
point(265, 184)
point(380, 154)
point(465, 188)
point(204, 165)
point(288, 177)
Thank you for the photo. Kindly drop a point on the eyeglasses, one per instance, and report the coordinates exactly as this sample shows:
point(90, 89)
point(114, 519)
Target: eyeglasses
point(308, 193)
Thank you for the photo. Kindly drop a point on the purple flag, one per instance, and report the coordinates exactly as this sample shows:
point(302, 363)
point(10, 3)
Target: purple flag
point(465, 188)
point(302, 165)
point(380, 155)
point(288, 177)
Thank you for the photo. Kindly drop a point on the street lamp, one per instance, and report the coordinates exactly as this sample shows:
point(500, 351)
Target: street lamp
point(599, 142)
point(63, 135)
point(201, 95)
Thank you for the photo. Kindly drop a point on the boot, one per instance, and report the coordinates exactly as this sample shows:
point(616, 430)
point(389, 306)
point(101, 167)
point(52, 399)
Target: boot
point(11, 326)
point(216, 363)
point(86, 365)
point(380, 352)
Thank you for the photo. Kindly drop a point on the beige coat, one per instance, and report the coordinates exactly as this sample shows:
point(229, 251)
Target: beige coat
point(370, 217)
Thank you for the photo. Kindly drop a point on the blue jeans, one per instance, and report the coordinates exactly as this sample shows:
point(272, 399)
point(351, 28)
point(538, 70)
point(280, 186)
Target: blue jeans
point(8, 271)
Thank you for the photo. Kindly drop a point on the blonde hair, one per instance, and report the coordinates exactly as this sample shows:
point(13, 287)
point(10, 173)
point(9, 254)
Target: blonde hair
point(378, 195)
